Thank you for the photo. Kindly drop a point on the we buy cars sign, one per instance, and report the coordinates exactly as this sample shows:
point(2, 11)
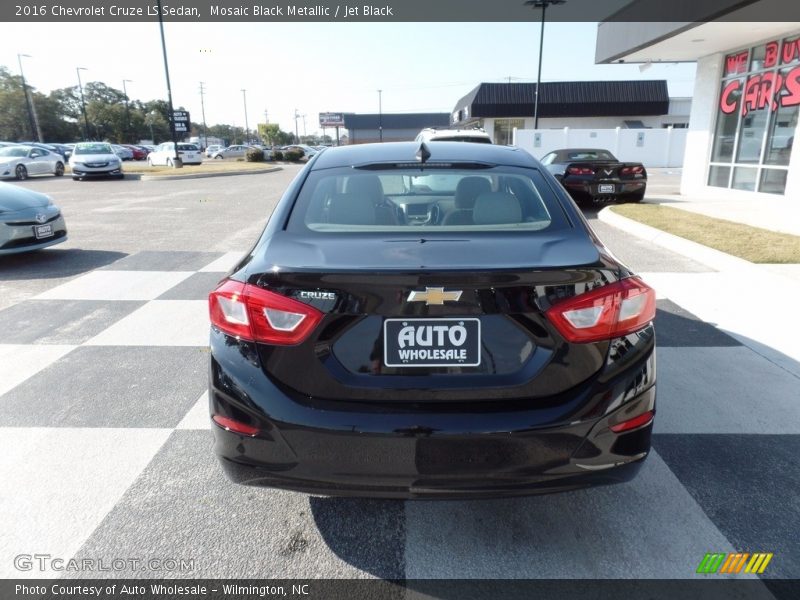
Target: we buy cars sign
point(181, 120)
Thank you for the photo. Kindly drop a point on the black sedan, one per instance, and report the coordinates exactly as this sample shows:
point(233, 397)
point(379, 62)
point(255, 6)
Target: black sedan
point(430, 322)
point(596, 176)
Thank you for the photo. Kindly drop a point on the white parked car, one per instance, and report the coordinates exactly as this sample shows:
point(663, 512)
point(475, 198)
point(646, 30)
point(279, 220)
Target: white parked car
point(238, 150)
point(19, 162)
point(163, 155)
point(95, 159)
point(212, 149)
point(432, 134)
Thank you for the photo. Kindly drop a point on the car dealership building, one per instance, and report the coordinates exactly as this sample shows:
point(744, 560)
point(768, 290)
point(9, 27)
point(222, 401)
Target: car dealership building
point(746, 101)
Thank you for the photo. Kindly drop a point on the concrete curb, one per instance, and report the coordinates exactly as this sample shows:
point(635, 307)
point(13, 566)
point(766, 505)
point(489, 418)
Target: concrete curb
point(715, 259)
point(201, 175)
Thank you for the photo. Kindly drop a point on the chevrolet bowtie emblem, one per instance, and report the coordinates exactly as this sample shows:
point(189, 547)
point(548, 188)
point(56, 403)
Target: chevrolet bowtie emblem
point(434, 296)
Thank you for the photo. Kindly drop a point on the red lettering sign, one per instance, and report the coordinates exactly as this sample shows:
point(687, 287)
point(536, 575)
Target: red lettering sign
point(771, 55)
point(790, 50)
point(792, 98)
point(726, 105)
point(736, 63)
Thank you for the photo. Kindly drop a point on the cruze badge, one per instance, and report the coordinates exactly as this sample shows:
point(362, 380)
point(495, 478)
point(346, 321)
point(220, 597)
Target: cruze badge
point(434, 296)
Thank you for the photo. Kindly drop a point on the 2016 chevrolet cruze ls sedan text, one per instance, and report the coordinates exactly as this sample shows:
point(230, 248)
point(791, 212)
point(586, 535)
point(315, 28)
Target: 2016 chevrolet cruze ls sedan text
point(429, 322)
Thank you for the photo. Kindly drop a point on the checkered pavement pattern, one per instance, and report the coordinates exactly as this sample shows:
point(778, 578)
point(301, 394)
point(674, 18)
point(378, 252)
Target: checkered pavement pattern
point(105, 452)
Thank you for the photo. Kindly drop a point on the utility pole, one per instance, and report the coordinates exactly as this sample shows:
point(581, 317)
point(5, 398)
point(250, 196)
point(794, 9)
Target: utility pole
point(543, 4)
point(34, 122)
point(203, 110)
point(127, 110)
point(176, 161)
point(83, 104)
point(246, 125)
point(380, 116)
point(296, 136)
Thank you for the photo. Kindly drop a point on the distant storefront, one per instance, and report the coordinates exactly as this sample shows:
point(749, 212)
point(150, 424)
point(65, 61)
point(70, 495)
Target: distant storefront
point(390, 127)
point(746, 101)
point(499, 108)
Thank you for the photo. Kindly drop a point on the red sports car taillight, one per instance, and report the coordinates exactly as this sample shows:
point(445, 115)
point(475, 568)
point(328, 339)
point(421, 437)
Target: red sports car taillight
point(580, 171)
point(604, 313)
point(631, 170)
point(253, 313)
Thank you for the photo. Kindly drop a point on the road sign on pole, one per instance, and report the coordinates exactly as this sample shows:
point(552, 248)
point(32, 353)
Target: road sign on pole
point(183, 123)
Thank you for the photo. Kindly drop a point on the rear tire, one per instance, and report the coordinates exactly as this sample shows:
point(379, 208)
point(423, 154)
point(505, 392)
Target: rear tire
point(59, 172)
point(21, 173)
point(218, 157)
point(637, 197)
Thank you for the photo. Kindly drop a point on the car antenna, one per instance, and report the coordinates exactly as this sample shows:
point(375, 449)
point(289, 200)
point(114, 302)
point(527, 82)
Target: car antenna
point(423, 153)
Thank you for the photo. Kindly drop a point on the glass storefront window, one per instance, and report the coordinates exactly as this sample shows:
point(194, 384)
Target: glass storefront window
point(719, 176)
point(725, 133)
point(751, 136)
point(744, 178)
point(773, 181)
point(504, 130)
point(757, 117)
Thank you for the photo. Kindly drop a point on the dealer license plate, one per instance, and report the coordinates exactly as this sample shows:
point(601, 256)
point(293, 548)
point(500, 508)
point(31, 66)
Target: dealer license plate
point(605, 188)
point(42, 231)
point(432, 342)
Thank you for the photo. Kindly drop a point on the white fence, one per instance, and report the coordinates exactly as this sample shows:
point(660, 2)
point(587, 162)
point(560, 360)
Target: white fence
point(652, 147)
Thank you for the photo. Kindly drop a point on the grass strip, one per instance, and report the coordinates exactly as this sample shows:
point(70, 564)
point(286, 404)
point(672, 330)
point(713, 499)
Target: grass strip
point(750, 243)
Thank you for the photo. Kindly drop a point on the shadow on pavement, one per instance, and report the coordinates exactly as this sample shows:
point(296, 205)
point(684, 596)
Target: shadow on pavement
point(54, 262)
point(366, 533)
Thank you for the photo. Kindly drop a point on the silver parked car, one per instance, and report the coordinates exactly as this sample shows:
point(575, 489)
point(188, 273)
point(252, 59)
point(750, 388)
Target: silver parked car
point(94, 159)
point(231, 151)
point(19, 162)
point(28, 220)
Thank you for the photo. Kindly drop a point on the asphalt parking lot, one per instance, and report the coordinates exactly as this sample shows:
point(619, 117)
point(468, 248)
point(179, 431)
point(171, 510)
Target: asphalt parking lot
point(104, 431)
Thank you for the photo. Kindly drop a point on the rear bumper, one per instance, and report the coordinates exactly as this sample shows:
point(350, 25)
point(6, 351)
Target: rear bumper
point(458, 451)
point(586, 189)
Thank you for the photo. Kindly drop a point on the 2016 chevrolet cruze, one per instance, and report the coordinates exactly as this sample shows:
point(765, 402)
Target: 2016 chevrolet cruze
point(428, 322)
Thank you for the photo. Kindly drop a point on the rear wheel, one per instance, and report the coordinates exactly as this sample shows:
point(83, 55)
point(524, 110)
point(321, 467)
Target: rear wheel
point(218, 157)
point(59, 169)
point(21, 172)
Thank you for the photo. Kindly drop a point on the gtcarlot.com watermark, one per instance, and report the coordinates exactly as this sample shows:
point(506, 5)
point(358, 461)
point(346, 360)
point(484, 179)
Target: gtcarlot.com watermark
point(48, 562)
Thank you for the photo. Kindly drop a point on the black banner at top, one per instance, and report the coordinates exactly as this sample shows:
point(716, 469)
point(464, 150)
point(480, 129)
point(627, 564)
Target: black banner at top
point(377, 11)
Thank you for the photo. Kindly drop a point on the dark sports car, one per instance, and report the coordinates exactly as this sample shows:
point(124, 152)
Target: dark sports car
point(429, 322)
point(596, 176)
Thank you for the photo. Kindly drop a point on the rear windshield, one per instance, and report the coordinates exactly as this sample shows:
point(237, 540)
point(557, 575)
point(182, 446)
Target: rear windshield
point(590, 155)
point(189, 147)
point(433, 200)
point(93, 149)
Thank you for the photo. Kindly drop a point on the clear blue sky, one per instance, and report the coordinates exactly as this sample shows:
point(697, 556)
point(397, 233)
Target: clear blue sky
point(421, 67)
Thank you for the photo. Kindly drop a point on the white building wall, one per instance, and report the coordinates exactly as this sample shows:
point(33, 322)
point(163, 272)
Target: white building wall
point(656, 122)
point(654, 148)
point(701, 125)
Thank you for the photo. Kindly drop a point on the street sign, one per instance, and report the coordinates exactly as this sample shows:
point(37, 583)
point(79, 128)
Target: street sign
point(182, 121)
point(329, 119)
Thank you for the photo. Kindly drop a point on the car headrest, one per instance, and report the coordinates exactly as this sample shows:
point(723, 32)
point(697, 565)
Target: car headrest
point(495, 208)
point(351, 209)
point(468, 189)
point(368, 186)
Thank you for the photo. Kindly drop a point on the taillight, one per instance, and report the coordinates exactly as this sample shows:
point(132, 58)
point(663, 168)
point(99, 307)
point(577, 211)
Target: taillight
point(638, 421)
point(253, 313)
point(604, 313)
point(236, 426)
point(580, 171)
point(631, 170)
